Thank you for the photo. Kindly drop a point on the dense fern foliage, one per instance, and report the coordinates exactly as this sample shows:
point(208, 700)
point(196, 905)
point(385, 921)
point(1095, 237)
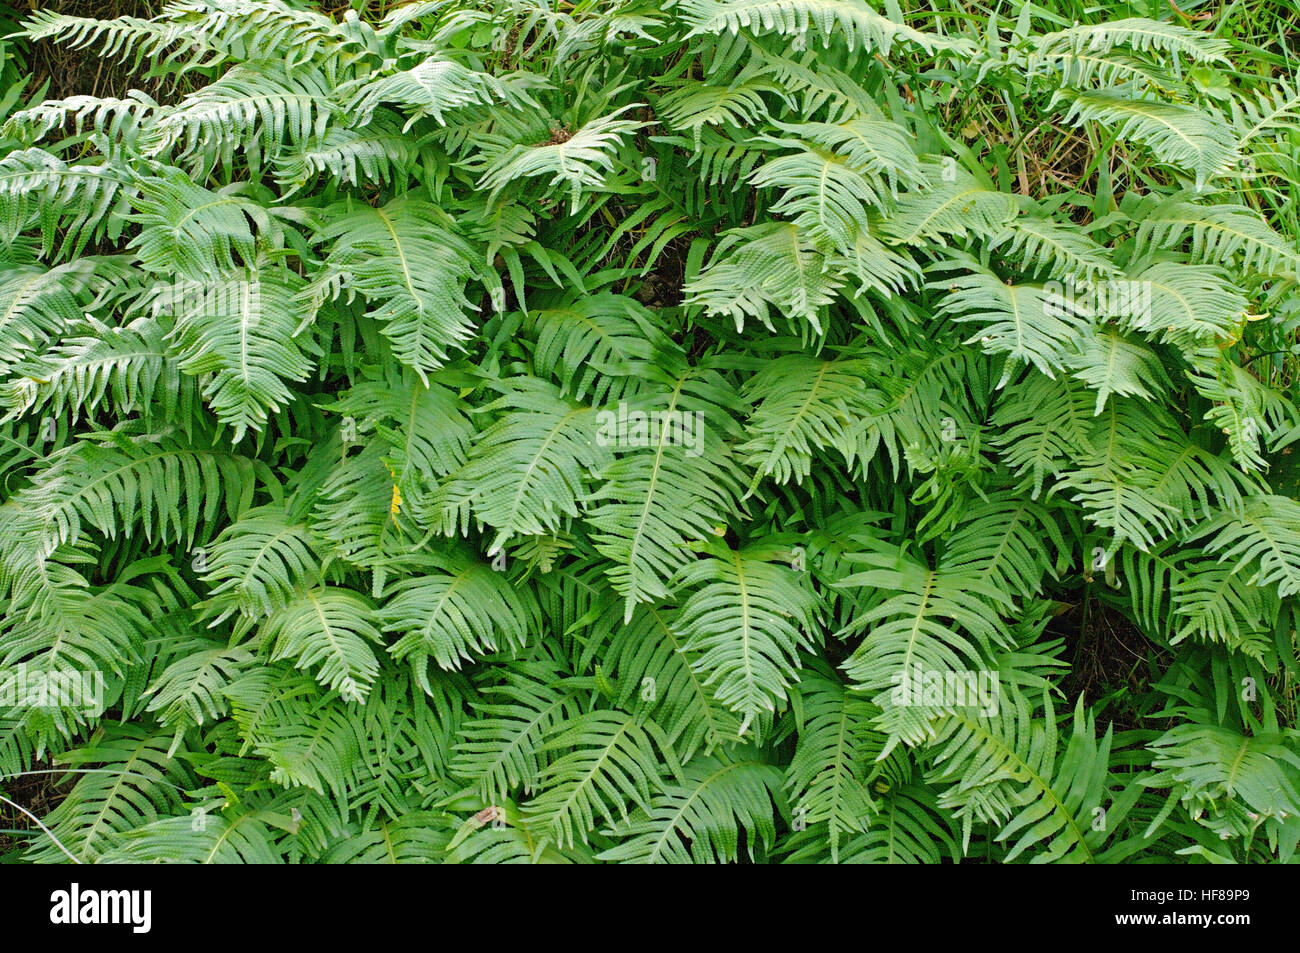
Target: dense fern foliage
point(651, 432)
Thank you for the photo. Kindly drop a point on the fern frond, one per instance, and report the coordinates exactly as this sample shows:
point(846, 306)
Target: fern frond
point(580, 161)
point(764, 266)
point(1190, 138)
point(648, 657)
point(430, 88)
point(1242, 781)
point(133, 781)
point(669, 486)
point(827, 776)
point(954, 205)
point(611, 762)
point(1187, 303)
point(193, 232)
point(858, 24)
point(1008, 540)
point(238, 333)
point(501, 748)
point(1264, 533)
point(466, 609)
point(1138, 33)
point(407, 263)
point(528, 470)
point(1216, 234)
point(258, 563)
point(1047, 247)
point(82, 202)
point(111, 483)
point(1031, 324)
point(1008, 770)
point(697, 106)
point(259, 106)
point(379, 154)
point(191, 690)
point(931, 620)
point(700, 820)
point(1112, 363)
point(822, 193)
point(810, 405)
point(36, 302)
point(124, 368)
point(746, 620)
point(330, 627)
point(598, 342)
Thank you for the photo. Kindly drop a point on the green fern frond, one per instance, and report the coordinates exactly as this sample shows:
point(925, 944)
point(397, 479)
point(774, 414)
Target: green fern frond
point(330, 628)
point(407, 263)
point(669, 485)
point(610, 763)
point(580, 161)
point(701, 820)
point(465, 609)
point(858, 24)
point(1139, 34)
point(1215, 234)
point(756, 269)
point(1264, 533)
point(745, 619)
point(1180, 135)
point(827, 776)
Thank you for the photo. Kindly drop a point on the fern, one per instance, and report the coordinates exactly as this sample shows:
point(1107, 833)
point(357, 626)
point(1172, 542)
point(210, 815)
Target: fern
point(723, 431)
point(746, 620)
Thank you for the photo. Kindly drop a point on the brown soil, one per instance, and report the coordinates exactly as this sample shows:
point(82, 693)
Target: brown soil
point(1106, 651)
point(81, 72)
point(39, 793)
